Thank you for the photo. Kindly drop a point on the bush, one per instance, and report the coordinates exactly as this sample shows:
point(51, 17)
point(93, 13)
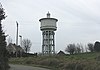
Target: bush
point(97, 46)
point(4, 63)
point(80, 65)
point(50, 62)
point(72, 66)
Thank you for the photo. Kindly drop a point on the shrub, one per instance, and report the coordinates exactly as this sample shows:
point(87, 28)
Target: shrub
point(73, 66)
point(97, 46)
point(3, 63)
point(50, 62)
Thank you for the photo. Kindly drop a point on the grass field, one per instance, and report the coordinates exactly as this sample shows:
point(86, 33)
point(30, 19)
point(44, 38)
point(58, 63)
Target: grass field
point(83, 61)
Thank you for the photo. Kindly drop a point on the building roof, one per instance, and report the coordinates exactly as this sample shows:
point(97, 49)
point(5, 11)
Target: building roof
point(60, 53)
point(13, 48)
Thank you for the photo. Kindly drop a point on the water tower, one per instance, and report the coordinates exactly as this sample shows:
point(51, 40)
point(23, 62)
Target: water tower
point(48, 26)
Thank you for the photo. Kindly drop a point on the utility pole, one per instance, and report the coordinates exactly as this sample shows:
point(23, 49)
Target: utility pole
point(20, 44)
point(17, 34)
point(17, 38)
point(20, 40)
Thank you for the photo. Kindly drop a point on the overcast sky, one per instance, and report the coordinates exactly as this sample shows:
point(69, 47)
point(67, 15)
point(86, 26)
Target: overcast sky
point(78, 20)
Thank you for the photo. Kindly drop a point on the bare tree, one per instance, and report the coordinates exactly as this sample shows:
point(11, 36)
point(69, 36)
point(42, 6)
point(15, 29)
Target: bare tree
point(78, 48)
point(90, 47)
point(86, 48)
point(9, 40)
point(82, 48)
point(26, 43)
point(70, 48)
point(75, 48)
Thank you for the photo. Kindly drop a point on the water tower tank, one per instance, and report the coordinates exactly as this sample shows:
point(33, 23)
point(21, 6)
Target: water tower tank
point(48, 23)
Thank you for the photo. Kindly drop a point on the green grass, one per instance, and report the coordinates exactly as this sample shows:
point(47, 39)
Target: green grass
point(83, 61)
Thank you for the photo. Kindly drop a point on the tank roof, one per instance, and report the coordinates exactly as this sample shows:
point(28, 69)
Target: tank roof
point(48, 18)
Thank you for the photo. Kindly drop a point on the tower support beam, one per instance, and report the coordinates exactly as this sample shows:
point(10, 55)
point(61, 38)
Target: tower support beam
point(48, 45)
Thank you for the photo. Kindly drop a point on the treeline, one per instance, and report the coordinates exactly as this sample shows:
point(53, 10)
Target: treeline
point(79, 48)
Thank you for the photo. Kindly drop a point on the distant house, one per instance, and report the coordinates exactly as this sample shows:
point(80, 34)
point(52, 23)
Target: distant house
point(14, 50)
point(61, 53)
